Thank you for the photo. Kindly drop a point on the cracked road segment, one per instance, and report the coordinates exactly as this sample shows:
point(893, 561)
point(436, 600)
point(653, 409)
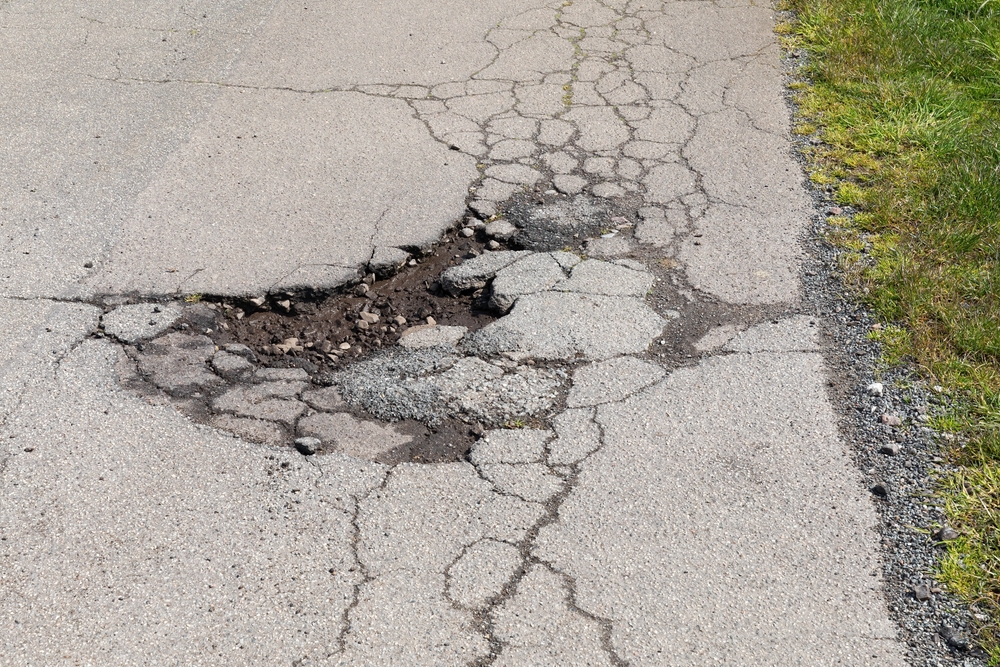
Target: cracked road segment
point(624, 503)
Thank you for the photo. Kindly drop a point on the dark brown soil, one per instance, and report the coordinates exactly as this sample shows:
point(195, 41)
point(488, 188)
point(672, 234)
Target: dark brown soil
point(318, 326)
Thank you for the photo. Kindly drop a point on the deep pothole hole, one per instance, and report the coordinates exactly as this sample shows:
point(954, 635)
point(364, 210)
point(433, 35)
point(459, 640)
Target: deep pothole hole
point(278, 368)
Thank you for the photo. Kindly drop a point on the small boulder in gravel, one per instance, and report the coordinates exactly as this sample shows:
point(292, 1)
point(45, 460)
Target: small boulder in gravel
point(953, 639)
point(890, 449)
point(880, 489)
point(891, 420)
point(945, 533)
point(875, 389)
point(921, 592)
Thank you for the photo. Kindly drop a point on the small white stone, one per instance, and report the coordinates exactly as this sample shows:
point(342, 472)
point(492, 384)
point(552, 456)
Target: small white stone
point(875, 389)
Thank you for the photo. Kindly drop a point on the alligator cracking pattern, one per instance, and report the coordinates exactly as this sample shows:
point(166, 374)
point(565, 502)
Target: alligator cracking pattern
point(600, 98)
point(621, 100)
point(607, 107)
point(487, 630)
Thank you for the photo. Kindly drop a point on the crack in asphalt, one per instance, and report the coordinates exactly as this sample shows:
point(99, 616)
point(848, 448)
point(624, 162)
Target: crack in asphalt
point(628, 31)
point(528, 559)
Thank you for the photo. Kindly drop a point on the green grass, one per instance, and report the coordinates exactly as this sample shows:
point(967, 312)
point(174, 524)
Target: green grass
point(905, 95)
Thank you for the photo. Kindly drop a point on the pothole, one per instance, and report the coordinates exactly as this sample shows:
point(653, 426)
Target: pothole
point(261, 368)
point(323, 333)
point(414, 366)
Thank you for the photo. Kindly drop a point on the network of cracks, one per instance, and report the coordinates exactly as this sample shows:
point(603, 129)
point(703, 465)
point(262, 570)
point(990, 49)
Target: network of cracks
point(496, 327)
point(493, 352)
point(474, 382)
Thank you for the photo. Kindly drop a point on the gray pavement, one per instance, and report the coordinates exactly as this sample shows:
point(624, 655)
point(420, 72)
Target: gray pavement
point(699, 514)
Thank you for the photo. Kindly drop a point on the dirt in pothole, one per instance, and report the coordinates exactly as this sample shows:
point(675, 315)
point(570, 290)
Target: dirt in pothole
point(448, 441)
point(326, 333)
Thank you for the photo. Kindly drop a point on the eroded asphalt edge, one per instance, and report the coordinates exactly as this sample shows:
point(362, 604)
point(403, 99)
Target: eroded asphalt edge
point(605, 633)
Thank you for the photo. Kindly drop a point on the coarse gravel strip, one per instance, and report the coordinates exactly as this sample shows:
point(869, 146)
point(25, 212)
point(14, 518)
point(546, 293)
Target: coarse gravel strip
point(939, 630)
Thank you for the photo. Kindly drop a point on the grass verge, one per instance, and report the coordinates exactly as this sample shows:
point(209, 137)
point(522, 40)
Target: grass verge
point(905, 97)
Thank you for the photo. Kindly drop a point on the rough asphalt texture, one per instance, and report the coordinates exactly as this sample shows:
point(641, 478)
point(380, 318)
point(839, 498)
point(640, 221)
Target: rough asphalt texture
point(706, 514)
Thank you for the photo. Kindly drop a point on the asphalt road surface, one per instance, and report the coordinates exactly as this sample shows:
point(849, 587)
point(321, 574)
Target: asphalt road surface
point(650, 512)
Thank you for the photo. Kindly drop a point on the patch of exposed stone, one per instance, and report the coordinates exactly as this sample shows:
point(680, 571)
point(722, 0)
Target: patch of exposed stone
point(431, 384)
